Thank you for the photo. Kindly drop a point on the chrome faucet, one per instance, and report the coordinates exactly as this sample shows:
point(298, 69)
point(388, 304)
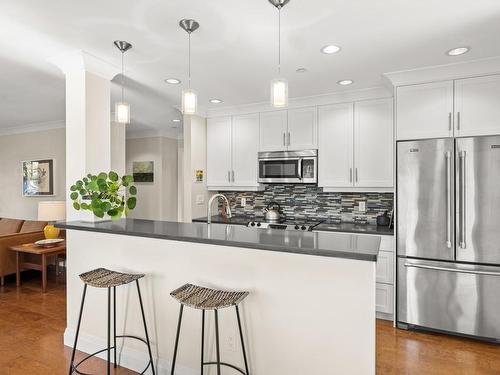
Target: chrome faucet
point(209, 209)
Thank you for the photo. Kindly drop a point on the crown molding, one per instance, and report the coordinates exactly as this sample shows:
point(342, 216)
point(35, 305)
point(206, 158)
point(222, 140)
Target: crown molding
point(165, 133)
point(444, 72)
point(79, 60)
point(33, 127)
point(307, 101)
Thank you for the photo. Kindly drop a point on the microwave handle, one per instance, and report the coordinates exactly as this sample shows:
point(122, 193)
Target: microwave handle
point(301, 172)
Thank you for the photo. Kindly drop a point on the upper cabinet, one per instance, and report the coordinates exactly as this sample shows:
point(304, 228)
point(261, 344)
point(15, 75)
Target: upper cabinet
point(373, 143)
point(273, 131)
point(356, 146)
point(302, 128)
point(477, 106)
point(232, 147)
point(425, 111)
point(294, 129)
point(460, 108)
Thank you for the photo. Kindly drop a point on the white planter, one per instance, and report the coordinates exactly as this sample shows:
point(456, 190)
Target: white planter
point(89, 217)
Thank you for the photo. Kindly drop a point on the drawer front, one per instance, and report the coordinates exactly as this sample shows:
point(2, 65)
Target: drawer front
point(384, 298)
point(385, 267)
point(387, 243)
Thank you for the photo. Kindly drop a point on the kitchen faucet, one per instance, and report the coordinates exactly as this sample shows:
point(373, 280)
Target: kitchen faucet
point(209, 209)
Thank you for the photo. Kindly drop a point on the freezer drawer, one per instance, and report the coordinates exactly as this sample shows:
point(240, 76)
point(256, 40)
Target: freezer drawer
point(451, 297)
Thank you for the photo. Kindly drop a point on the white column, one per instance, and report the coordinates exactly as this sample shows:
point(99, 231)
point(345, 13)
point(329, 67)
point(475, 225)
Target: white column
point(89, 145)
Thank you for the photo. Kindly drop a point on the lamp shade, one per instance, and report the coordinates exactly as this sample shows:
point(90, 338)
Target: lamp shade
point(189, 102)
point(279, 93)
point(122, 113)
point(51, 210)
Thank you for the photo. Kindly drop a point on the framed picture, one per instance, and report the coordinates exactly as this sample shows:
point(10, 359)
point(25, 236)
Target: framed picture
point(38, 178)
point(143, 171)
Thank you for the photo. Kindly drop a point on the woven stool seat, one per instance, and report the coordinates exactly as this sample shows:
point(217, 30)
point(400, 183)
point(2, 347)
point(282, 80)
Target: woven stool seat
point(205, 298)
point(104, 278)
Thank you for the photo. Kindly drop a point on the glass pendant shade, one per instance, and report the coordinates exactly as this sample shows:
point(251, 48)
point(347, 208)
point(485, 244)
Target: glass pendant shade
point(189, 102)
point(122, 113)
point(279, 92)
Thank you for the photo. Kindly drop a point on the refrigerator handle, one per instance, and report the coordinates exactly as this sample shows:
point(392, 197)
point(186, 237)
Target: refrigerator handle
point(462, 200)
point(457, 270)
point(448, 199)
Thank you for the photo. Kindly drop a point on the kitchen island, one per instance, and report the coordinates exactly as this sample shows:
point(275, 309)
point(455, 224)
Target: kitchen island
point(311, 308)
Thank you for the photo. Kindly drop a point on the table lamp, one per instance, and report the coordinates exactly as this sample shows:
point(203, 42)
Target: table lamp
point(51, 211)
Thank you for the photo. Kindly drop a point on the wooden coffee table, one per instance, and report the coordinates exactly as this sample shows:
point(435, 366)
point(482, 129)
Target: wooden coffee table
point(43, 252)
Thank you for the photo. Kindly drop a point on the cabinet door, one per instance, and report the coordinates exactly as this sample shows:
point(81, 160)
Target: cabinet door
point(384, 298)
point(303, 128)
point(477, 106)
point(385, 267)
point(245, 149)
point(273, 129)
point(219, 151)
point(373, 143)
point(424, 111)
point(335, 146)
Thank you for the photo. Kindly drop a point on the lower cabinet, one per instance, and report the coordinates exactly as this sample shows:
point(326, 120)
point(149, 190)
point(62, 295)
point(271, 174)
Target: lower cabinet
point(384, 300)
point(384, 294)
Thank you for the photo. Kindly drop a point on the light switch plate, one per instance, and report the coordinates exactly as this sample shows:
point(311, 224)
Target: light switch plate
point(362, 207)
point(200, 199)
point(243, 201)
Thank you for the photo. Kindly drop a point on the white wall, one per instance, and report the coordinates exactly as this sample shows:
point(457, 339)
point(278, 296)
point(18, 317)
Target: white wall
point(156, 200)
point(15, 148)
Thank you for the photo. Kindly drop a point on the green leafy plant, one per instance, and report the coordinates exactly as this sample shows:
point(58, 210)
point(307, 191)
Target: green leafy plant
point(104, 194)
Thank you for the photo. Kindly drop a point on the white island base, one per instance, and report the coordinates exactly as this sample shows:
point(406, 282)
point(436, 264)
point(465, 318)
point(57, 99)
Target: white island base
point(307, 315)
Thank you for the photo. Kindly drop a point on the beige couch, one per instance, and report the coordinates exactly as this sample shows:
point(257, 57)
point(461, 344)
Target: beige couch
point(16, 232)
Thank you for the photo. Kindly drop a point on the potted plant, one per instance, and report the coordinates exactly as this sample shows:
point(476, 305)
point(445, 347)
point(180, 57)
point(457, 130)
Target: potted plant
point(104, 194)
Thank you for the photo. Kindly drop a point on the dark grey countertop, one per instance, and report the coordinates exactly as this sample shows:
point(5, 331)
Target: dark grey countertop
point(327, 227)
point(310, 243)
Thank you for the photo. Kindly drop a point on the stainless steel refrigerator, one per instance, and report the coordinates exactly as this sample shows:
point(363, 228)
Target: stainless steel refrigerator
point(448, 235)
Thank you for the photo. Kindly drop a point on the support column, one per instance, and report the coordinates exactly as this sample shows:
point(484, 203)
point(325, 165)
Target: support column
point(89, 143)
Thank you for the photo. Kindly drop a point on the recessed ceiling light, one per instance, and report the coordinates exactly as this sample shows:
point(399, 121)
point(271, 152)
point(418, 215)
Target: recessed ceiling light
point(215, 101)
point(301, 70)
point(173, 81)
point(176, 120)
point(331, 49)
point(458, 51)
point(345, 82)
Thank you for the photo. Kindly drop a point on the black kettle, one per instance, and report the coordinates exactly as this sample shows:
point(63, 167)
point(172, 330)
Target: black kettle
point(384, 219)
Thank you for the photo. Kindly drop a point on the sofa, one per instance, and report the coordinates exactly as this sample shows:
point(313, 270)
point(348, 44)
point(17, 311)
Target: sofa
point(16, 232)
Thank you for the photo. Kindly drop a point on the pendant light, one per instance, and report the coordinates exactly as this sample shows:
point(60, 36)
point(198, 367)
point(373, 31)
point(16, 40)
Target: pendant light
point(189, 97)
point(279, 86)
point(122, 108)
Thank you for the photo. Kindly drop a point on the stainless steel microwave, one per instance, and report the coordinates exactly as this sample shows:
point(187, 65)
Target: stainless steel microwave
point(298, 167)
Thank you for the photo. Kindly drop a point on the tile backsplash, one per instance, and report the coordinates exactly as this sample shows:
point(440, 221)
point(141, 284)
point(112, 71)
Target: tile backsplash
point(299, 202)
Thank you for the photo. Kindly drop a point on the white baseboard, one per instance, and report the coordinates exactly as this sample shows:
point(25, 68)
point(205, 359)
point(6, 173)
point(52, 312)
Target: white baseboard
point(132, 359)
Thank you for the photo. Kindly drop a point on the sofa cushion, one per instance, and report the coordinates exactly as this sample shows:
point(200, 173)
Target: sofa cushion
point(10, 226)
point(32, 226)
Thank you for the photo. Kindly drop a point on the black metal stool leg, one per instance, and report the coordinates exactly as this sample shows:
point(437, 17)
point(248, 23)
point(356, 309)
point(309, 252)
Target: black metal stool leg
point(217, 345)
point(177, 339)
point(145, 327)
point(242, 342)
point(114, 324)
point(77, 330)
point(108, 371)
point(202, 338)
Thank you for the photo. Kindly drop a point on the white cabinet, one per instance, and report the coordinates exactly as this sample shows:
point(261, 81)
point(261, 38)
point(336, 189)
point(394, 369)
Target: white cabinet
point(373, 143)
point(477, 106)
point(355, 146)
point(245, 146)
point(302, 128)
point(424, 111)
point(384, 298)
point(232, 147)
point(219, 151)
point(335, 146)
point(273, 131)
point(385, 267)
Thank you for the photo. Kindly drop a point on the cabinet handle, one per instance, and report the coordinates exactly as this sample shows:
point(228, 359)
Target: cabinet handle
point(449, 121)
point(284, 139)
point(458, 120)
point(229, 176)
point(350, 174)
point(288, 138)
point(232, 175)
point(356, 174)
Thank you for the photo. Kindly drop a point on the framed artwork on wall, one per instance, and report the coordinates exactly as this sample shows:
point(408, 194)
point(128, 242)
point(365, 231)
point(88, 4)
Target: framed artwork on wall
point(143, 171)
point(38, 178)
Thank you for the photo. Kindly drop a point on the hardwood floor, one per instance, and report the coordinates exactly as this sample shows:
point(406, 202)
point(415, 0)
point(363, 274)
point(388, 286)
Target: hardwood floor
point(32, 326)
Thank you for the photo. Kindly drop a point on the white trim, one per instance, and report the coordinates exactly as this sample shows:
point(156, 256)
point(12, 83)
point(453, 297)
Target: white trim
point(153, 133)
point(349, 189)
point(236, 188)
point(444, 72)
point(129, 358)
point(33, 127)
point(79, 60)
point(307, 101)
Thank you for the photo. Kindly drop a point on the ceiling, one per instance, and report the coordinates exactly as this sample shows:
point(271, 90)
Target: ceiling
point(234, 51)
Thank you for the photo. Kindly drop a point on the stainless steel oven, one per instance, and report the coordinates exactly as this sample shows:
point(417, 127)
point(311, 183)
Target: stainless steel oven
point(298, 167)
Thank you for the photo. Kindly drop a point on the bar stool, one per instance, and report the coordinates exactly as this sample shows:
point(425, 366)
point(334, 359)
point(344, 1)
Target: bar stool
point(209, 299)
point(103, 278)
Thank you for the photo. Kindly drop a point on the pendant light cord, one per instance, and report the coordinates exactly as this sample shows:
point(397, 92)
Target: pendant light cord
point(123, 78)
point(279, 42)
point(189, 60)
